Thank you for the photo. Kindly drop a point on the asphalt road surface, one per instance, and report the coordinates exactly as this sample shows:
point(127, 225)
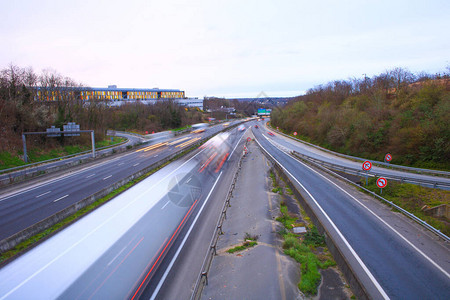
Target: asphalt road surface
point(26, 204)
point(394, 257)
point(292, 145)
point(128, 247)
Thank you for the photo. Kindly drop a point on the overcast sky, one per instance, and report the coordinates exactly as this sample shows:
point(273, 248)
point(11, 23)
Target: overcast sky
point(224, 48)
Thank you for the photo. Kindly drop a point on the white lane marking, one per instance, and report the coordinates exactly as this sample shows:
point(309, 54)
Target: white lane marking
point(381, 220)
point(68, 249)
point(107, 177)
point(63, 177)
point(43, 194)
point(61, 198)
point(136, 164)
point(361, 263)
point(164, 205)
point(90, 175)
point(121, 163)
point(115, 257)
point(237, 144)
point(156, 155)
point(163, 278)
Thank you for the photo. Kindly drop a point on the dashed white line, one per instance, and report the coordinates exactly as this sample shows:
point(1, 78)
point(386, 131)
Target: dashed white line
point(121, 163)
point(164, 205)
point(107, 177)
point(43, 194)
point(90, 175)
point(136, 164)
point(61, 198)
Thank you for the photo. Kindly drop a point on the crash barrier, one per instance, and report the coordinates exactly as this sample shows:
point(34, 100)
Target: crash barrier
point(323, 166)
point(202, 279)
point(10, 242)
point(360, 288)
point(380, 163)
point(32, 170)
point(359, 172)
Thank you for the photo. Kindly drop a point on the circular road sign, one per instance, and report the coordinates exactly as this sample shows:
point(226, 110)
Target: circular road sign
point(295, 133)
point(367, 165)
point(381, 182)
point(388, 157)
point(249, 139)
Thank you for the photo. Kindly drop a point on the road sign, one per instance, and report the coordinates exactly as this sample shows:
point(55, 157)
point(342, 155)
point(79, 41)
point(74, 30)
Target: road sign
point(295, 133)
point(388, 157)
point(367, 165)
point(249, 139)
point(381, 182)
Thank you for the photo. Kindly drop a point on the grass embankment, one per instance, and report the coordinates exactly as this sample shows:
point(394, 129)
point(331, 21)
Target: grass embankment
point(11, 160)
point(25, 245)
point(413, 198)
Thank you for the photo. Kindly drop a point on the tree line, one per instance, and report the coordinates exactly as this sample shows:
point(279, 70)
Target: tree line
point(21, 112)
point(397, 111)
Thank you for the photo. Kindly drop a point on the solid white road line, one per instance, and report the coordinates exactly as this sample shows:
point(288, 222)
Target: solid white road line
point(61, 198)
point(68, 249)
point(163, 278)
point(353, 252)
point(381, 220)
point(373, 213)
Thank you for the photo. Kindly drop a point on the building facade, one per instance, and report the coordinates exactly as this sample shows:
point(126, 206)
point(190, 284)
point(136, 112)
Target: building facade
point(111, 93)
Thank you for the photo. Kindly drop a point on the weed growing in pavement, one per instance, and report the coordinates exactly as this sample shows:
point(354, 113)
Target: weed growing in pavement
point(247, 244)
point(302, 248)
point(249, 241)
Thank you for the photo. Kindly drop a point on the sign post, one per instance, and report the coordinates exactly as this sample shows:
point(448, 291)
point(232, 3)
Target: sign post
point(367, 165)
point(381, 183)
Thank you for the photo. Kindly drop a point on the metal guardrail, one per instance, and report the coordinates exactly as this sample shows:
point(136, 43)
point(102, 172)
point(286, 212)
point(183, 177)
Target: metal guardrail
point(380, 163)
point(355, 171)
point(202, 279)
point(61, 157)
point(403, 211)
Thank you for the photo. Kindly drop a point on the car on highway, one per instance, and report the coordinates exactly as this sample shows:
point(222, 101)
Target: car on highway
point(270, 133)
point(241, 127)
point(256, 126)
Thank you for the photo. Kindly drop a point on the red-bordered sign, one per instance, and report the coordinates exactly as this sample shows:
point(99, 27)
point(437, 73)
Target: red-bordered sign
point(295, 133)
point(249, 139)
point(367, 165)
point(381, 182)
point(388, 157)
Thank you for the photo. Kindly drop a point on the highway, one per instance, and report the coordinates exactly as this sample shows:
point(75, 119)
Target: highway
point(150, 241)
point(391, 261)
point(116, 250)
point(26, 204)
point(292, 145)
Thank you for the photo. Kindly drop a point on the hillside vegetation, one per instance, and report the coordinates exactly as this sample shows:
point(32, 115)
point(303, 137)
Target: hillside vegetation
point(398, 112)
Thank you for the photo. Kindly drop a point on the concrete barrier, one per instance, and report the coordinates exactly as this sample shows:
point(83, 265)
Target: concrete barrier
point(10, 242)
point(358, 286)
